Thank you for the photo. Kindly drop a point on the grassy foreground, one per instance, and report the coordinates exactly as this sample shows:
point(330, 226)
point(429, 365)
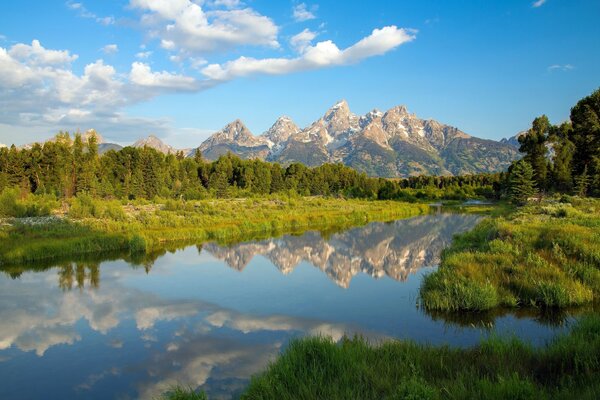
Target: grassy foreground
point(100, 226)
point(568, 367)
point(543, 255)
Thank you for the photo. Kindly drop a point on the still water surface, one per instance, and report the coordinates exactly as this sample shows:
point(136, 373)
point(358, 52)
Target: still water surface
point(212, 316)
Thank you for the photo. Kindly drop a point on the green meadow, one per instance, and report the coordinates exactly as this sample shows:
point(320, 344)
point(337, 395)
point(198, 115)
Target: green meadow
point(541, 255)
point(100, 226)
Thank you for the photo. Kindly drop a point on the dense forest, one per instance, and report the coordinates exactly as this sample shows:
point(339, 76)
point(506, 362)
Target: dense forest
point(563, 159)
point(66, 166)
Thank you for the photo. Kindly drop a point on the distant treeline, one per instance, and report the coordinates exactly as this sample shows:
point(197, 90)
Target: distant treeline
point(68, 166)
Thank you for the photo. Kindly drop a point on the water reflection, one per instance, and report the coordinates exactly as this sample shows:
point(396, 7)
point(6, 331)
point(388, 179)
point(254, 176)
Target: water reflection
point(394, 249)
point(131, 329)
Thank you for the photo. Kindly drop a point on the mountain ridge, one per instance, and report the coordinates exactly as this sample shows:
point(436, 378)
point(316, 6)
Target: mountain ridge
point(393, 144)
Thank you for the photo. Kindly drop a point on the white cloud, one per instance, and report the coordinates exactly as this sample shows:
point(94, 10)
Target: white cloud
point(142, 75)
point(302, 40)
point(183, 25)
point(301, 12)
point(40, 92)
point(560, 67)
point(143, 54)
point(38, 55)
point(110, 49)
point(323, 54)
point(538, 3)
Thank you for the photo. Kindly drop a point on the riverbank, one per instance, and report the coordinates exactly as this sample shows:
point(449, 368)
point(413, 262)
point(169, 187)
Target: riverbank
point(98, 226)
point(497, 368)
point(540, 255)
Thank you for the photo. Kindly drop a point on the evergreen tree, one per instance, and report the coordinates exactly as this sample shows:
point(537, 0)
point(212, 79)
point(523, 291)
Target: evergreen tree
point(585, 117)
point(533, 144)
point(521, 182)
point(562, 179)
point(582, 183)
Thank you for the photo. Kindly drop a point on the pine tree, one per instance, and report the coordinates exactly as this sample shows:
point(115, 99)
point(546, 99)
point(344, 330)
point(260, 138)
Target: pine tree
point(521, 182)
point(582, 183)
point(533, 144)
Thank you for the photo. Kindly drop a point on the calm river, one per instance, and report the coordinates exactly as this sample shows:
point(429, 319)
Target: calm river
point(212, 316)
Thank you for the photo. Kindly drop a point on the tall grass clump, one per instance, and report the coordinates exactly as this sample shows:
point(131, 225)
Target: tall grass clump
point(497, 368)
point(542, 256)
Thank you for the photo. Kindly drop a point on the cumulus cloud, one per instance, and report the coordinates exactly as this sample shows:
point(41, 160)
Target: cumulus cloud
point(39, 89)
point(301, 12)
point(35, 54)
point(538, 3)
point(302, 40)
point(142, 75)
point(110, 49)
point(323, 54)
point(184, 25)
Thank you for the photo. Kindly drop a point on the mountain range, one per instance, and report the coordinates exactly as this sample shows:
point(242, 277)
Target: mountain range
point(393, 144)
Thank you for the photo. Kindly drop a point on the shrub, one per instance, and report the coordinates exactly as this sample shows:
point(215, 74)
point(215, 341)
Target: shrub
point(10, 206)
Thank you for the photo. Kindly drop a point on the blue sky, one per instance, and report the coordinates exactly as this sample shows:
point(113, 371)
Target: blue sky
point(182, 69)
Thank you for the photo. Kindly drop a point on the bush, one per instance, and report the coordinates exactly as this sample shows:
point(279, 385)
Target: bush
point(10, 206)
point(32, 206)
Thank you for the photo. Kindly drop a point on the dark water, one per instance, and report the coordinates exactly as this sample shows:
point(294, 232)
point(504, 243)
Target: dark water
point(212, 316)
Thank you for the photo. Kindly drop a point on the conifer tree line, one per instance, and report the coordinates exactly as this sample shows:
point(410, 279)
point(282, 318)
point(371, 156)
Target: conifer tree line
point(67, 166)
point(561, 158)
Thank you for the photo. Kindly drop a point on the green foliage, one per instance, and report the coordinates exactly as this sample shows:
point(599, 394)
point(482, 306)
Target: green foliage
point(575, 165)
point(85, 206)
point(11, 205)
point(497, 368)
point(141, 227)
point(522, 185)
point(545, 256)
point(533, 144)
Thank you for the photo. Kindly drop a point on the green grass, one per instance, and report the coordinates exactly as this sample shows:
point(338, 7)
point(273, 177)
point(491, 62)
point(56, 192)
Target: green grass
point(567, 367)
point(97, 226)
point(542, 255)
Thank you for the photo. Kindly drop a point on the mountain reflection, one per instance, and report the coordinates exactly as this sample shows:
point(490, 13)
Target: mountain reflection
point(394, 249)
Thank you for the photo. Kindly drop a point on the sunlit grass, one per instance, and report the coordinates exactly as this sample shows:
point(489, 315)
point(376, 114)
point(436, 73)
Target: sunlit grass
point(93, 225)
point(568, 367)
point(542, 255)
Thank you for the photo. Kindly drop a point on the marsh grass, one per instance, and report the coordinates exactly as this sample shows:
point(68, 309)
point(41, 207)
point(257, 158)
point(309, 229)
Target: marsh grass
point(96, 226)
point(544, 255)
point(498, 368)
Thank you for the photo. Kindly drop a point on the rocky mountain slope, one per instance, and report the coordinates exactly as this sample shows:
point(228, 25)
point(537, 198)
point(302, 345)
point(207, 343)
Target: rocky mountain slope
point(513, 140)
point(155, 143)
point(395, 143)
